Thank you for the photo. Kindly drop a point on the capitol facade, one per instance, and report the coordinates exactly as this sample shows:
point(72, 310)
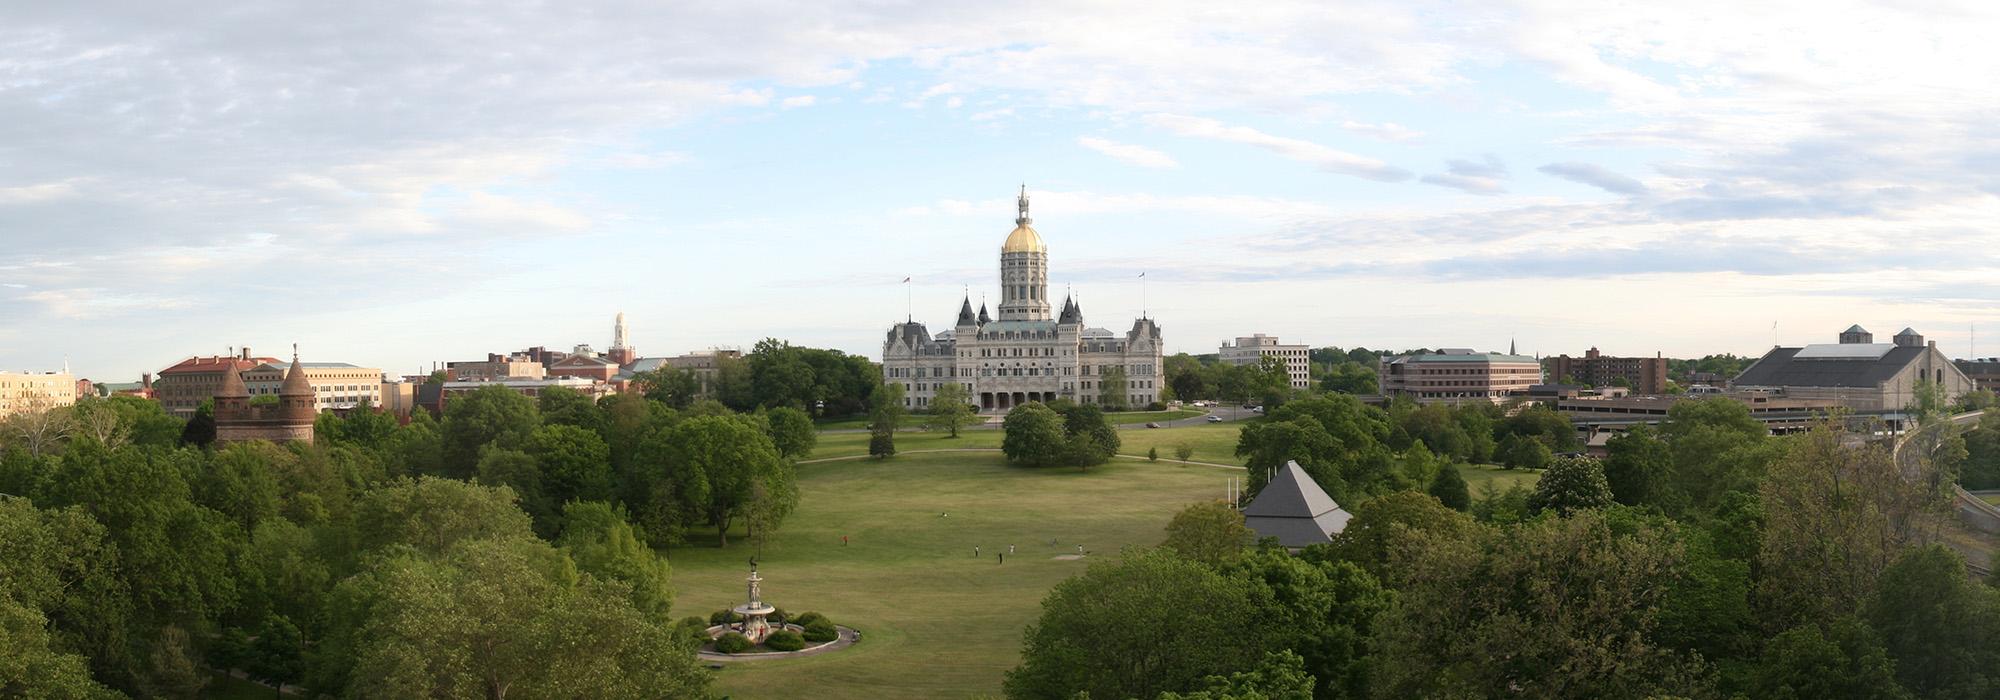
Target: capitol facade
point(1026, 354)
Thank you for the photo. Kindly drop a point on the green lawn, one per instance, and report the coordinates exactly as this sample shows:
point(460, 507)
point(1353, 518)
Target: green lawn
point(226, 687)
point(1501, 478)
point(1212, 442)
point(937, 623)
point(1136, 417)
point(1993, 498)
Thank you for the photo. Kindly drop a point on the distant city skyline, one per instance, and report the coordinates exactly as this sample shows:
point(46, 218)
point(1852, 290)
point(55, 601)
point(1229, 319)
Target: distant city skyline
point(403, 184)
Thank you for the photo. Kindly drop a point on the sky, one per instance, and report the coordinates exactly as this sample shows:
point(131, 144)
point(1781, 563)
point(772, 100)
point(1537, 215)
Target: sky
point(397, 183)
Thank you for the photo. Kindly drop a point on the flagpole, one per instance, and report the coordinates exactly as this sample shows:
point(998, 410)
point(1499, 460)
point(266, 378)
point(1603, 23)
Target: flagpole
point(909, 303)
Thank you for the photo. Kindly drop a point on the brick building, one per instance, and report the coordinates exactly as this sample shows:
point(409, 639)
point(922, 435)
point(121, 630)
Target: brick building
point(1644, 375)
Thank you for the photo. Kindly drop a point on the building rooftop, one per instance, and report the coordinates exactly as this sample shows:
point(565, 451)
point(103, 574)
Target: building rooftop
point(1823, 367)
point(1460, 357)
point(1294, 509)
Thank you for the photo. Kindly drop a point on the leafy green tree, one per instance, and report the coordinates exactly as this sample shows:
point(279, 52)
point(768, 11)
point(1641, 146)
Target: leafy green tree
point(791, 431)
point(1033, 436)
point(1385, 523)
point(199, 430)
point(574, 463)
point(1636, 463)
point(561, 405)
point(431, 514)
point(716, 463)
point(1571, 484)
point(517, 471)
point(1981, 469)
point(1553, 608)
point(1281, 676)
point(1841, 660)
point(1941, 628)
point(1211, 532)
point(1148, 623)
point(34, 667)
point(951, 409)
point(1928, 401)
point(1089, 437)
point(672, 386)
point(1186, 377)
point(239, 481)
point(1518, 451)
point(286, 573)
point(1269, 382)
point(1835, 517)
point(596, 536)
point(277, 656)
point(1321, 610)
point(1450, 489)
point(1113, 389)
point(1502, 507)
point(1338, 440)
point(499, 617)
point(489, 415)
point(881, 443)
point(1350, 378)
point(1545, 425)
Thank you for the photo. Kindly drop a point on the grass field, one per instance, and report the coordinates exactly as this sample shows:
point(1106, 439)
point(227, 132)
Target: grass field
point(1993, 498)
point(937, 623)
point(914, 421)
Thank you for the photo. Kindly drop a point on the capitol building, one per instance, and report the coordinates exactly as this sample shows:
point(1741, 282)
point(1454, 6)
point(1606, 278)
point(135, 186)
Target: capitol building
point(1027, 353)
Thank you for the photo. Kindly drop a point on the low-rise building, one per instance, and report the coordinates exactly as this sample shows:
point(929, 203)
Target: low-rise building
point(183, 387)
point(288, 420)
point(1858, 373)
point(1458, 375)
point(1645, 375)
point(1252, 349)
point(335, 385)
point(586, 363)
point(705, 364)
point(35, 391)
point(495, 366)
point(1295, 510)
point(530, 388)
point(1984, 373)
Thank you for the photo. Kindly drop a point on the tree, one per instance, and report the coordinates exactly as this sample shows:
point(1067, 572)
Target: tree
point(1384, 523)
point(1982, 454)
point(1350, 378)
point(1835, 517)
point(881, 443)
point(33, 667)
point(1636, 462)
point(431, 514)
point(1319, 609)
point(199, 431)
point(1034, 436)
point(951, 408)
point(791, 431)
point(561, 405)
point(38, 425)
point(1089, 437)
point(1517, 451)
point(277, 656)
point(1112, 388)
point(574, 463)
point(716, 463)
point(1553, 608)
point(1928, 401)
point(1450, 489)
point(672, 386)
point(517, 472)
point(489, 415)
point(1148, 623)
point(1571, 484)
point(1545, 425)
point(1212, 533)
point(1941, 628)
point(596, 536)
point(1186, 377)
point(1281, 676)
point(498, 617)
point(1841, 659)
point(1269, 381)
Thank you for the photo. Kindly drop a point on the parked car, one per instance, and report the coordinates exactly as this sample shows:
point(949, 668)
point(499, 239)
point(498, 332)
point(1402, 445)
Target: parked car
point(1152, 425)
point(1215, 419)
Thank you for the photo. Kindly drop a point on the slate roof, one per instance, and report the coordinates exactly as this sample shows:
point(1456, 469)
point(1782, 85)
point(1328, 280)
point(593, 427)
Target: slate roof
point(1782, 367)
point(1294, 509)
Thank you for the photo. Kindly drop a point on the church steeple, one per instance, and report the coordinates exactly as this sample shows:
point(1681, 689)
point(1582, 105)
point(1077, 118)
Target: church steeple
point(1024, 270)
point(1022, 204)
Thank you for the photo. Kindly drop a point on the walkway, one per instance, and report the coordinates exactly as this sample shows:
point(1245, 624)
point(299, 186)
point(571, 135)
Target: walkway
point(1974, 512)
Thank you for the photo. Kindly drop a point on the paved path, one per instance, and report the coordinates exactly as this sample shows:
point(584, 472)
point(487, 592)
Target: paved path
point(1974, 512)
point(847, 638)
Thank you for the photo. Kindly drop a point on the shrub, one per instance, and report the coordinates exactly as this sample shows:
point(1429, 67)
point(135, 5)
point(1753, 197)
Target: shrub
point(805, 619)
point(1156, 406)
point(821, 630)
point(693, 628)
point(723, 617)
point(785, 640)
point(777, 616)
point(732, 643)
point(1152, 454)
point(1183, 451)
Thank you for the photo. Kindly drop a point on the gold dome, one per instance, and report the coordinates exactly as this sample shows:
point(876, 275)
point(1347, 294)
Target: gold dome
point(1024, 239)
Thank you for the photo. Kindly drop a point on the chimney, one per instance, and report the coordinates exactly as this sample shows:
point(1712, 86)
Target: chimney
point(246, 352)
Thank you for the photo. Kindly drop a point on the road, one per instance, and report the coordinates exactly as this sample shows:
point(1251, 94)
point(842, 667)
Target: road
point(1974, 513)
point(1228, 413)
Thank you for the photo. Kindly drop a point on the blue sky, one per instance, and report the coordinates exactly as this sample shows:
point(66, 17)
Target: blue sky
point(391, 184)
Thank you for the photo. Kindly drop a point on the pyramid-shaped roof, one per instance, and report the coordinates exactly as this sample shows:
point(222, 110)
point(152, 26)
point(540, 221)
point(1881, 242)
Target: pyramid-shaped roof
point(1856, 328)
point(1294, 509)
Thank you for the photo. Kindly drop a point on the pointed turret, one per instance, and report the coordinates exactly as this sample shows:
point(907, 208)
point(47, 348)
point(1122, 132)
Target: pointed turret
point(295, 394)
point(983, 318)
point(965, 317)
point(232, 401)
point(1071, 313)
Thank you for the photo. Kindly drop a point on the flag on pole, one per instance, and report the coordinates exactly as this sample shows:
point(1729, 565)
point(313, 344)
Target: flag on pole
point(1142, 274)
point(906, 280)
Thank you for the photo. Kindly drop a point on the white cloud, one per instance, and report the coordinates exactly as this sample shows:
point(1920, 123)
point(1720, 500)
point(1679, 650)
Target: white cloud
point(1386, 131)
point(1133, 154)
point(797, 101)
point(1319, 156)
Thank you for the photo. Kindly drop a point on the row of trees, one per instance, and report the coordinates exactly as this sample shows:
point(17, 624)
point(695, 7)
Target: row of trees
point(505, 549)
point(351, 567)
point(1748, 566)
point(775, 374)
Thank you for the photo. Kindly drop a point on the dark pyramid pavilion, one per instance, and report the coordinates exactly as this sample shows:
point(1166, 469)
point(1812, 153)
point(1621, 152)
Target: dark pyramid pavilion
point(1294, 509)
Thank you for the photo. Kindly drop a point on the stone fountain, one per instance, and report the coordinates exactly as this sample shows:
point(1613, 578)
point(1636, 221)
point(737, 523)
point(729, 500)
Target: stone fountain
point(754, 613)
